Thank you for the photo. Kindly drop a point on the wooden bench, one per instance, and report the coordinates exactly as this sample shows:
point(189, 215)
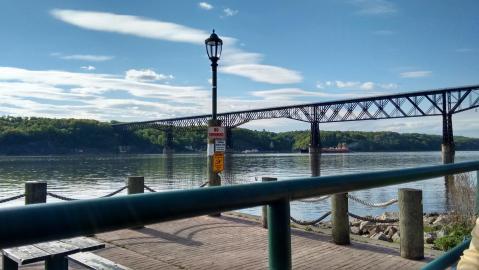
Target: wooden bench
point(95, 262)
point(54, 253)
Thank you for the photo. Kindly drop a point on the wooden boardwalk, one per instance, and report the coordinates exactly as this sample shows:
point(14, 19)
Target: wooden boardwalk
point(233, 243)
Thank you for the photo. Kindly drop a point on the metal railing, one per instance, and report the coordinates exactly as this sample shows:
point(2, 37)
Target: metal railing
point(85, 217)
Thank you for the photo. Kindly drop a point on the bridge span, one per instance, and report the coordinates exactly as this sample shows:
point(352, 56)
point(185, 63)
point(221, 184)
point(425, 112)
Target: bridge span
point(438, 102)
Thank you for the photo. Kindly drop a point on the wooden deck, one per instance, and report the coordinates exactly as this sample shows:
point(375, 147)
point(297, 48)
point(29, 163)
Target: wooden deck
point(234, 243)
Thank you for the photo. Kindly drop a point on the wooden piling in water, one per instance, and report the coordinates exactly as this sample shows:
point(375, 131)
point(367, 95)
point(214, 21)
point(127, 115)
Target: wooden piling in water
point(340, 219)
point(264, 216)
point(411, 225)
point(35, 192)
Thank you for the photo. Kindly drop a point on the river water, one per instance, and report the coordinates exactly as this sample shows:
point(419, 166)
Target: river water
point(93, 176)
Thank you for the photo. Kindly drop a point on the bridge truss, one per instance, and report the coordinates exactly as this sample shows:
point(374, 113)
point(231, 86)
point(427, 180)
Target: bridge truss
point(440, 102)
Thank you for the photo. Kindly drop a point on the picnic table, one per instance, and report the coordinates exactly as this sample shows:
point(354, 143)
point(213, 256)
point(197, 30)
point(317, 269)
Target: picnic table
point(54, 253)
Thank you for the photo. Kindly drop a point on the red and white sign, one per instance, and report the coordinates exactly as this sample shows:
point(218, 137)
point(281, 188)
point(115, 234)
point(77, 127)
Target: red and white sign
point(216, 132)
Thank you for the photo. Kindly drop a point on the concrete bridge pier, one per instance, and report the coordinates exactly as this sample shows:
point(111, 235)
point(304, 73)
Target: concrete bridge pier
point(315, 150)
point(168, 147)
point(448, 147)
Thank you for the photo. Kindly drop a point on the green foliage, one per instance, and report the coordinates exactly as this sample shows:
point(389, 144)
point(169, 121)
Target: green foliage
point(24, 136)
point(454, 235)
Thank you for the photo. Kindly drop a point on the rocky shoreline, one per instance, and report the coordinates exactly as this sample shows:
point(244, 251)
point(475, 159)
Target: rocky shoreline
point(434, 227)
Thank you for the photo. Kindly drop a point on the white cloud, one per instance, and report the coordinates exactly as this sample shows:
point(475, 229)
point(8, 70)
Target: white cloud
point(237, 61)
point(204, 5)
point(416, 74)
point(87, 57)
point(374, 7)
point(264, 73)
point(289, 93)
point(89, 68)
point(230, 12)
point(352, 85)
point(146, 75)
point(130, 25)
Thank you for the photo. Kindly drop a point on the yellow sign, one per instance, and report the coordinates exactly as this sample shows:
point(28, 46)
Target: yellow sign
point(218, 162)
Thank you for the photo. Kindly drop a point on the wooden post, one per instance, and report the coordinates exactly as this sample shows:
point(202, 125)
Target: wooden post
point(264, 217)
point(411, 225)
point(136, 184)
point(35, 192)
point(340, 219)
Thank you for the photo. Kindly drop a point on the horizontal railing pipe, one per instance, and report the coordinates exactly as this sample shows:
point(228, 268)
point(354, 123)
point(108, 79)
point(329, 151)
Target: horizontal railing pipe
point(449, 258)
point(45, 222)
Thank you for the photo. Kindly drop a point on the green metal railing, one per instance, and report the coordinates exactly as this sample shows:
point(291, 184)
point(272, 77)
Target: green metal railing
point(45, 222)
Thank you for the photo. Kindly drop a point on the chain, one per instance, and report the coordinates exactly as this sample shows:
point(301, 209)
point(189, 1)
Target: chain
point(60, 197)
point(312, 200)
point(63, 198)
point(383, 204)
point(312, 222)
point(204, 184)
point(149, 189)
point(12, 198)
point(114, 192)
point(375, 220)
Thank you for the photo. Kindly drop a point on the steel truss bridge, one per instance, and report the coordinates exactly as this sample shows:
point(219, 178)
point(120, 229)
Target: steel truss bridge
point(439, 102)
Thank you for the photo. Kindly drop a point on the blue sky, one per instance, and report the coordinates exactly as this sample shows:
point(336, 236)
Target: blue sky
point(143, 60)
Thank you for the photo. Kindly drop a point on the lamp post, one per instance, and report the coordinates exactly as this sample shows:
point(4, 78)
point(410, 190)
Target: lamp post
point(215, 158)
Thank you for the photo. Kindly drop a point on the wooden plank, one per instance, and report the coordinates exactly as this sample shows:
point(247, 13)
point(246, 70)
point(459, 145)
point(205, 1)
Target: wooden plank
point(84, 243)
point(57, 248)
point(95, 262)
point(25, 254)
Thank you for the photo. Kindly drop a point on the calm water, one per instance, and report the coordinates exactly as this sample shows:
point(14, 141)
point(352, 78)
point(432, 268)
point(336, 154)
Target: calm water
point(94, 176)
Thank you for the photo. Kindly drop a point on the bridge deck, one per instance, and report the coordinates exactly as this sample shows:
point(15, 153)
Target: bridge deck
point(233, 243)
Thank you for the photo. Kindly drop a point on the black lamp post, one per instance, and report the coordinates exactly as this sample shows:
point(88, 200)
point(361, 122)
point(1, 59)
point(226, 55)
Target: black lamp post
point(213, 49)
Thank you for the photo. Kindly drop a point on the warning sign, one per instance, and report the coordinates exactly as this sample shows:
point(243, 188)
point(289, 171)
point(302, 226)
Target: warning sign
point(218, 162)
point(216, 132)
point(220, 145)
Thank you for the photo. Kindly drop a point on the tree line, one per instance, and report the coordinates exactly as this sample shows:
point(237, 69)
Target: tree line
point(44, 136)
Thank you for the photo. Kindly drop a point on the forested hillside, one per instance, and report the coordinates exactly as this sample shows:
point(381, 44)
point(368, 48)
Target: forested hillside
point(41, 136)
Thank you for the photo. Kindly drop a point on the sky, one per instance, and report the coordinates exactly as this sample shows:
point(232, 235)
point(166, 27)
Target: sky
point(145, 60)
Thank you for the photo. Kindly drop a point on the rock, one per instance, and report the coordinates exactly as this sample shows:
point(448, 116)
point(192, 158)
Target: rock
point(356, 223)
point(441, 220)
point(429, 238)
point(381, 236)
point(389, 215)
point(390, 231)
point(366, 226)
point(374, 230)
point(396, 237)
point(355, 230)
point(430, 220)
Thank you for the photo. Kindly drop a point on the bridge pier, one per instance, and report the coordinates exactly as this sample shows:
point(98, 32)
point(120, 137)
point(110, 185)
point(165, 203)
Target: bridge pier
point(447, 148)
point(229, 139)
point(168, 147)
point(314, 139)
point(315, 150)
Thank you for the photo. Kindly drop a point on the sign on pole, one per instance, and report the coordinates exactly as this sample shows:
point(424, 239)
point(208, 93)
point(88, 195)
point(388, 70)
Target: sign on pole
point(216, 132)
point(218, 162)
point(220, 145)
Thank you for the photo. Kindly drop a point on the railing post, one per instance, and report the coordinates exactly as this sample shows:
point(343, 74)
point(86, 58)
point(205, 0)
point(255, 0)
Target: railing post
point(340, 219)
point(136, 184)
point(279, 235)
point(264, 216)
point(411, 225)
point(35, 192)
